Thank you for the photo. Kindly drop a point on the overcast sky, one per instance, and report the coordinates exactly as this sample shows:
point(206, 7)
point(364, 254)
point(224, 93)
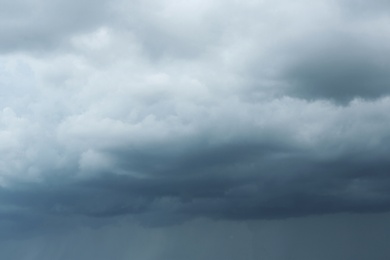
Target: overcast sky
point(125, 123)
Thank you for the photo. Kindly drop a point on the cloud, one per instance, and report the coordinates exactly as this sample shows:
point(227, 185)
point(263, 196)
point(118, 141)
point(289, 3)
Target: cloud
point(41, 25)
point(340, 67)
point(180, 111)
point(365, 9)
point(309, 165)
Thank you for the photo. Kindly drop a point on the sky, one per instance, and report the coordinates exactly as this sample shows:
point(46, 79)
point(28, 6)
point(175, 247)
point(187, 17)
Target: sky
point(155, 130)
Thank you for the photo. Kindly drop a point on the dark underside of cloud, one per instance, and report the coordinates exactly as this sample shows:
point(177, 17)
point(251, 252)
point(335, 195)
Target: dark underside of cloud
point(234, 182)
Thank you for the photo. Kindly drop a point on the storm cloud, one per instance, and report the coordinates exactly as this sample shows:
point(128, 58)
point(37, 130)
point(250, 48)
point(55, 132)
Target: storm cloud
point(169, 112)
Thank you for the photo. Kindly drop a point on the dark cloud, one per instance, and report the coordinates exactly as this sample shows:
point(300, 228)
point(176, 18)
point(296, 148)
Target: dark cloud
point(167, 113)
point(307, 166)
point(232, 181)
point(339, 67)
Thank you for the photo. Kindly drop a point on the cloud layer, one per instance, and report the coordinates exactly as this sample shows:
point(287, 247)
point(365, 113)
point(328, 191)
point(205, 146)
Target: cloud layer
point(173, 111)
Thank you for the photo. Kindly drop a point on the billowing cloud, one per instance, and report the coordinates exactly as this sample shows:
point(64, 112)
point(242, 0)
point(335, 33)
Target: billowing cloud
point(174, 111)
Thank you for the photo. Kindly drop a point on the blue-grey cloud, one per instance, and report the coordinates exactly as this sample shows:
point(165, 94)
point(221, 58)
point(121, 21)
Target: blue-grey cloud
point(42, 26)
point(166, 113)
point(340, 67)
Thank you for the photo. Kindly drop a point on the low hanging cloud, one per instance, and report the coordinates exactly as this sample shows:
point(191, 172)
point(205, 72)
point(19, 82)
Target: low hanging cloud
point(175, 114)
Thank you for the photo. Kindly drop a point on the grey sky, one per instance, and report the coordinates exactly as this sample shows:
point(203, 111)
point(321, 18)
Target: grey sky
point(157, 115)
